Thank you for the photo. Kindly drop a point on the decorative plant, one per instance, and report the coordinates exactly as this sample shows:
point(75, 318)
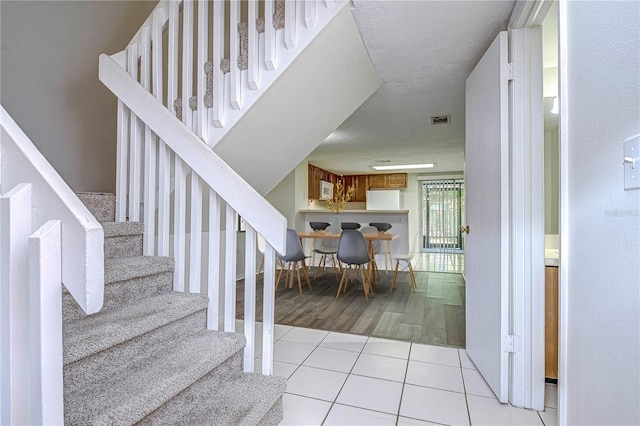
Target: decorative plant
point(340, 197)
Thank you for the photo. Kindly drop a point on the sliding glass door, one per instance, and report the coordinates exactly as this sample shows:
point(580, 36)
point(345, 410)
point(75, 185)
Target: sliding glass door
point(442, 213)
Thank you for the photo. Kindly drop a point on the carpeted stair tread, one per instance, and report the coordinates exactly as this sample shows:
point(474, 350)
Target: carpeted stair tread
point(128, 268)
point(132, 394)
point(101, 205)
point(234, 399)
point(119, 229)
point(89, 335)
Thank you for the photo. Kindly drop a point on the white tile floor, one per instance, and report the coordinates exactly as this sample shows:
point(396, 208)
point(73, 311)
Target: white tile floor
point(344, 379)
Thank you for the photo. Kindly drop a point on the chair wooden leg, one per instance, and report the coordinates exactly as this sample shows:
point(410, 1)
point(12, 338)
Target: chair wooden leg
point(413, 277)
point(290, 272)
point(306, 276)
point(365, 284)
point(278, 279)
point(335, 267)
point(395, 274)
point(299, 282)
point(318, 267)
point(342, 282)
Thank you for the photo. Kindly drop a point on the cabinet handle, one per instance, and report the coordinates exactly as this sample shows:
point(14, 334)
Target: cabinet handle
point(464, 229)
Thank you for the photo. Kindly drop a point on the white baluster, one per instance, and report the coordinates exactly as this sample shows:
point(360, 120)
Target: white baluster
point(254, 69)
point(250, 298)
point(230, 271)
point(268, 309)
point(290, 24)
point(172, 53)
point(187, 60)
point(15, 213)
point(134, 143)
point(234, 53)
point(310, 13)
point(269, 37)
point(218, 52)
point(164, 187)
point(45, 291)
point(213, 311)
point(203, 57)
point(179, 169)
point(150, 151)
point(122, 149)
point(195, 231)
point(179, 222)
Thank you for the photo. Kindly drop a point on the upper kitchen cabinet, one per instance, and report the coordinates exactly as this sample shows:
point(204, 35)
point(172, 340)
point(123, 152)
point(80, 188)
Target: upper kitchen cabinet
point(361, 185)
point(386, 181)
point(316, 174)
point(397, 180)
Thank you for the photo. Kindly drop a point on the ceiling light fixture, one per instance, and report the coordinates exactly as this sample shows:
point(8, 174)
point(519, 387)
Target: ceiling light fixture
point(406, 166)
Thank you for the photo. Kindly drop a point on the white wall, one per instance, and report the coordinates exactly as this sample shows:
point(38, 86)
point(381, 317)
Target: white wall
point(49, 80)
point(600, 225)
point(282, 197)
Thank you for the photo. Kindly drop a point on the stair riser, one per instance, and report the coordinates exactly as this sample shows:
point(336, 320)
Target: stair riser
point(123, 246)
point(102, 206)
point(98, 367)
point(274, 415)
point(122, 293)
point(232, 365)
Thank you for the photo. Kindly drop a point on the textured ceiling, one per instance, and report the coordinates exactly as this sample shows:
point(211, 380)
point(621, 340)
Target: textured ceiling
point(423, 51)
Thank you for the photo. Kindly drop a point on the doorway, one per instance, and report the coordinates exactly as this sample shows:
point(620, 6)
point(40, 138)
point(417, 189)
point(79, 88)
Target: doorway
point(442, 212)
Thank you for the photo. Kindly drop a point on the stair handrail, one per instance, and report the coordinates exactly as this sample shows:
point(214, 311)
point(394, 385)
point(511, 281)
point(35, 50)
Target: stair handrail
point(242, 197)
point(82, 235)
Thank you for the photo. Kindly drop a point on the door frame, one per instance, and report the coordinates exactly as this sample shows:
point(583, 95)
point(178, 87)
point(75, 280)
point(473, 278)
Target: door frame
point(527, 382)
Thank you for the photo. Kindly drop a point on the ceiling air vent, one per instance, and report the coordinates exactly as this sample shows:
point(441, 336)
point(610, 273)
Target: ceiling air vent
point(440, 119)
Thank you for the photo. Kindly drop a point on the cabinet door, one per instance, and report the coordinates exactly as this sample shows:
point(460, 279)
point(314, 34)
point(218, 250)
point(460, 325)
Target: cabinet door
point(397, 180)
point(314, 183)
point(378, 181)
point(551, 322)
point(362, 186)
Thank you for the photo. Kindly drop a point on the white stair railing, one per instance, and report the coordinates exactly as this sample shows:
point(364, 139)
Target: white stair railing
point(66, 247)
point(217, 196)
point(178, 101)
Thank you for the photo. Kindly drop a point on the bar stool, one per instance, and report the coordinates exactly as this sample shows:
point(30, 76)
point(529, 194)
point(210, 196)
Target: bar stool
point(384, 227)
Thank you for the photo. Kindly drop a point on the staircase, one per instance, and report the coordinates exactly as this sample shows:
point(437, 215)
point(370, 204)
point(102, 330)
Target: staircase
point(147, 356)
point(212, 114)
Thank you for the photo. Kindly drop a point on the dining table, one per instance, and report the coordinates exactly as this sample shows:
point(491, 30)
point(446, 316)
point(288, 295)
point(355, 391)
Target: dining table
point(370, 237)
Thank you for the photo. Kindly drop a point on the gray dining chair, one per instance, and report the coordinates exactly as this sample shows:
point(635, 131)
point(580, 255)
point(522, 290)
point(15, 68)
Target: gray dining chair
point(328, 248)
point(354, 252)
point(291, 258)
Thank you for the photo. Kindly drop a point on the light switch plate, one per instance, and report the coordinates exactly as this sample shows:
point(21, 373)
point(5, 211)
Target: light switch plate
point(631, 174)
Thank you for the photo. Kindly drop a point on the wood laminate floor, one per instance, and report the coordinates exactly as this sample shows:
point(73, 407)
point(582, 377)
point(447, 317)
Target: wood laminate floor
point(434, 314)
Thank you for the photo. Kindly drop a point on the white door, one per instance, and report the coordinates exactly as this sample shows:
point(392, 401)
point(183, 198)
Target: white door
point(487, 208)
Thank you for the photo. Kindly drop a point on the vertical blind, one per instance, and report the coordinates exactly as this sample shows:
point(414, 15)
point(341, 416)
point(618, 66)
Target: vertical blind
point(442, 213)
